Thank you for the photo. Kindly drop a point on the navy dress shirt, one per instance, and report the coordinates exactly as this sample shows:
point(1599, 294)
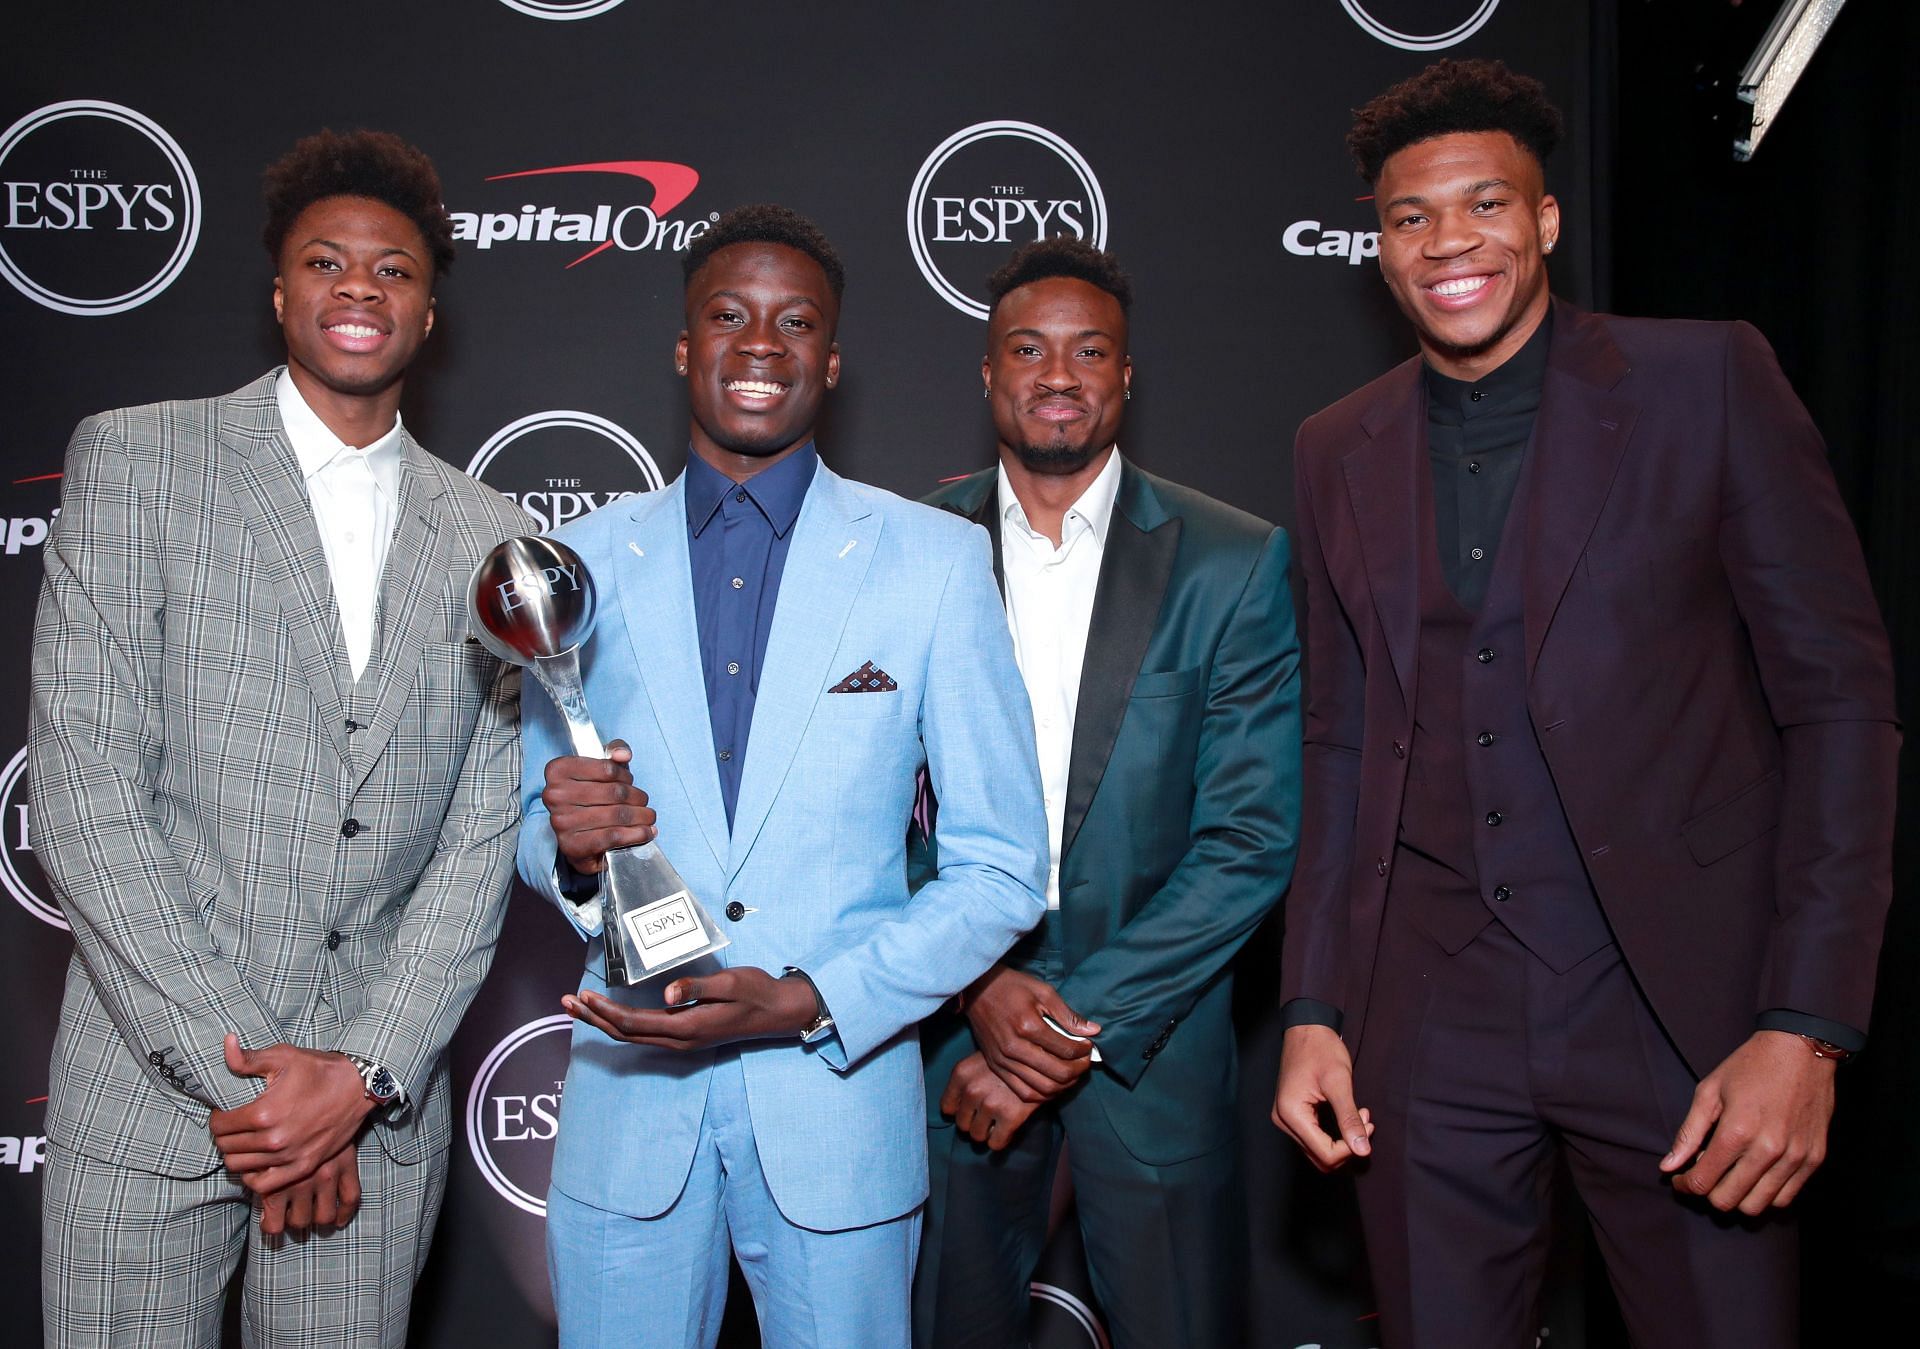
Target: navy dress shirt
point(737, 540)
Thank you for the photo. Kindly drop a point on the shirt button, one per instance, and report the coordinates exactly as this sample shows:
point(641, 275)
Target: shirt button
point(740, 496)
point(1380, 865)
point(737, 583)
point(736, 911)
point(350, 828)
point(733, 667)
point(1503, 893)
point(1493, 819)
point(1484, 739)
point(1477, 554)
point(333, 941)
point(1476, 395)
point(726, 755)
point(1484, 655)
point(1473, 466)
point(1399, 750)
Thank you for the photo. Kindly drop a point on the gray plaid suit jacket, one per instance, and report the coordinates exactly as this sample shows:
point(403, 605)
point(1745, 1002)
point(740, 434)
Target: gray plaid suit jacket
point(243, 837)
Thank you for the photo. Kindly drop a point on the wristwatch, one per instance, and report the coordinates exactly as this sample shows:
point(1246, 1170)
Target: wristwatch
point(1827, 1049)
point(383, 1088)
point(822, 1024)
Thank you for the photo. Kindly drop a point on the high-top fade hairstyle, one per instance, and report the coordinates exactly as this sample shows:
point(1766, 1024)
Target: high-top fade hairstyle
point(1063, 255)
point(1449, 97)
point(373, 164)
point(766, 224)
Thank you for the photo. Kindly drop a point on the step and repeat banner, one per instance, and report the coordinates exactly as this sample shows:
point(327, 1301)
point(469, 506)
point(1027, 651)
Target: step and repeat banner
point(582, 147)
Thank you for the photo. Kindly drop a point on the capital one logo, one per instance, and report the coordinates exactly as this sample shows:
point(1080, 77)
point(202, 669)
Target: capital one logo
point(561, 10)
point(985, 190)
point(100, 211)
point(513, 1111)
point(576, 212)
point(19, 870)
point(561, 465)
point(1421, 25)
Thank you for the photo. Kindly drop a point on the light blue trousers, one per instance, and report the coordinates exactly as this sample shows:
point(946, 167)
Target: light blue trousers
point(661, 1283)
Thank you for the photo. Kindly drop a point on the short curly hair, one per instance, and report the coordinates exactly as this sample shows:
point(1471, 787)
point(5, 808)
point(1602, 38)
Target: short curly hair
point(373, 164)
point(766, 223)
point(1449, 97)
point(1063, 255)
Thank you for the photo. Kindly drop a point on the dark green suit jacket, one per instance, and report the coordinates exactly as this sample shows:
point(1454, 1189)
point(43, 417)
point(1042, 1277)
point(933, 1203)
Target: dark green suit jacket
point(1182, 811)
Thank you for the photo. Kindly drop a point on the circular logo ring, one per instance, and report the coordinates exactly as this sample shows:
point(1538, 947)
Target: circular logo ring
point(559, 10)
point(1081, 1313)
point(9, 875)
point(567, 420)
point(190, 207)
point(1422, 42)
point(476, 1110)
point(960, 140)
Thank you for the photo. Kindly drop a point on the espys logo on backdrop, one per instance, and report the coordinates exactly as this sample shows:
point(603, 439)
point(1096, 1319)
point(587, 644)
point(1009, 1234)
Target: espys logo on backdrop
point(561, 465)
point(513, 1111)
point(558, 9)
point(632, 227)
point(988, 188)
point(1419, 31)
point(101, 210)
point(19, 870)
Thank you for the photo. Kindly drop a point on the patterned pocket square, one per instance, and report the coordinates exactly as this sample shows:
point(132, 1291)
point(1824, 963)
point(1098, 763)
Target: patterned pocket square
point(866, 679)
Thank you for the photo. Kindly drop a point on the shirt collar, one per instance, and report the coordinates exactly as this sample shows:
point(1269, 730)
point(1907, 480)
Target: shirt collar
point(1094, 509)
point(314, 446)
point(1519, 376)
point(778, 491)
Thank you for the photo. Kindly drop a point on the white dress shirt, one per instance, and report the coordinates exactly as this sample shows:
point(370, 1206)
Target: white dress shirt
point(1049, 609)
point(352, 492)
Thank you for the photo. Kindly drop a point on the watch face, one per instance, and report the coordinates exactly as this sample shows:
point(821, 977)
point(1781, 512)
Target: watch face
point(383, 1084)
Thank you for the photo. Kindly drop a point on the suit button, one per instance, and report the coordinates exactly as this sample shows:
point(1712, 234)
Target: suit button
point(352, 725)
point(736, 911)
point(350, 828)
point(1484, 655)
point(333, 941)
point(1503, 893)
point(1380, 865)
point(156, 1058)
point(1484, 739)
point(1399, 750)
point(1493, 818)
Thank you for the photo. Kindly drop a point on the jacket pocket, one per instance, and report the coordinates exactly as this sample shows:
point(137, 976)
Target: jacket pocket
point(1735, 822)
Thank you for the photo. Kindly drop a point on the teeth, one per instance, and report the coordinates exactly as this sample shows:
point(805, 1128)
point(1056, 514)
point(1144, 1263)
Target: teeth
point(1465, 285)
point(354, 330)
point(766, 388)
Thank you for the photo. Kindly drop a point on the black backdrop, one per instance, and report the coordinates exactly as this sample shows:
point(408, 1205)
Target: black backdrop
point(1201, 143)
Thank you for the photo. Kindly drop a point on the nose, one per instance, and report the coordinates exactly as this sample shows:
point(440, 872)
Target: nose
point(1453, 233)
point(762, 337)
point(1058, 373)
point(359, 283)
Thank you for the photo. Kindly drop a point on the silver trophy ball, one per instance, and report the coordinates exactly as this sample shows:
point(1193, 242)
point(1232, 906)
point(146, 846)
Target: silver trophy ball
point(532, 599)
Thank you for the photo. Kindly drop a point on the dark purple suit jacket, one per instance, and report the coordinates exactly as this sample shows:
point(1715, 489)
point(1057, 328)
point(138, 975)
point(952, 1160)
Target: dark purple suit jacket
point(1707, 674)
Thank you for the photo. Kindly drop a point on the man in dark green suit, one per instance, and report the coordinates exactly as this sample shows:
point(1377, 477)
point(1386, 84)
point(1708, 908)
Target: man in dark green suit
point(1155, 634)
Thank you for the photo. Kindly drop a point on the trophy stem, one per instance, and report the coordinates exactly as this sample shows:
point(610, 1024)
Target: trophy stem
point(560, 676)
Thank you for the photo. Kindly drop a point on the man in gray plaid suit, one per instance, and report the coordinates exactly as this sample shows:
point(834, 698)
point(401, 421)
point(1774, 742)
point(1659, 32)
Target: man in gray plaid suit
point(274, 788)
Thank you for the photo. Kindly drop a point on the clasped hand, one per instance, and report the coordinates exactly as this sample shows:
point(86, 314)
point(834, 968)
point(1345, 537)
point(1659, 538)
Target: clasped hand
point(292, 1145)
point(1022, 1061)
point(595, 809)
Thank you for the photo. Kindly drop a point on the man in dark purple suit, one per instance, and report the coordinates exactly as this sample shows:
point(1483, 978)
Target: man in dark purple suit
point(1600, 753)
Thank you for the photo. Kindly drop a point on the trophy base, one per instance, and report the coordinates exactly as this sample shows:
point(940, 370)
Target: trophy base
point(653, 922)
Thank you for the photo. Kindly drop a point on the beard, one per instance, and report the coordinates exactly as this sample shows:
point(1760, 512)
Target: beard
point(1055, 457)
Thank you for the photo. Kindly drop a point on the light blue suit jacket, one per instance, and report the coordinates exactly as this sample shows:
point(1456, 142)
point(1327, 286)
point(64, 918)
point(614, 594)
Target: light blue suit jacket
point(817, 848)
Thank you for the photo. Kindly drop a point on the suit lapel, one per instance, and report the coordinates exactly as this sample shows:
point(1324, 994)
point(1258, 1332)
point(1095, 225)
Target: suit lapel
point(656, 600)
point(266, 484)
point(1142, 541)
point(1579, 435)
point(411, 585)
point(834, 541)
point(1382, 486)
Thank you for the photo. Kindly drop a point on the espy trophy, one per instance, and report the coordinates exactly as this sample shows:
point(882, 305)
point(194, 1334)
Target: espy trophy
point(533, 605)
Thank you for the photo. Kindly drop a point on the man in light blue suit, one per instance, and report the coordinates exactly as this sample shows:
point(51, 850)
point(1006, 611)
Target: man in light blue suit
point(783, 652)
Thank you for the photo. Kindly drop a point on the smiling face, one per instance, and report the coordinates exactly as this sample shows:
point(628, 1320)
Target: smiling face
point(1465, 225)
point(354, 299)
point(1057, 372)
point(758, 354)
